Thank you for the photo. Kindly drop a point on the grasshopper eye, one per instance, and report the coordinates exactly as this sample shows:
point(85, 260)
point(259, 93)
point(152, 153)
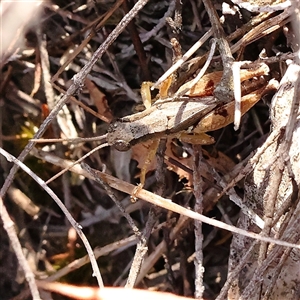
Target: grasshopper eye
point(122, 145)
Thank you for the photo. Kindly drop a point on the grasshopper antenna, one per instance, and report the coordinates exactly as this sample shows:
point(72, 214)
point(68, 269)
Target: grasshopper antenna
point(102, 139)
point(41, 154)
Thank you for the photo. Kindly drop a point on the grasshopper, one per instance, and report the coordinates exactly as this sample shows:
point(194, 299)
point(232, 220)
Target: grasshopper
point(197, 109)
point(165, 117)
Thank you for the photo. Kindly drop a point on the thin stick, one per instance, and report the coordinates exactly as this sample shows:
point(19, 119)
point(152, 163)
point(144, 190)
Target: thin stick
point(94, 174)
point(75, 163)
point(142, 248)
point(99, 251)
point(9, 227)
point(193, 82)
point(141, 251)
point(184, 58)
point(223, 90)
point(138, 46)
point(198, 261)
point(237, 94)
point(94, 26)
point(85, 107)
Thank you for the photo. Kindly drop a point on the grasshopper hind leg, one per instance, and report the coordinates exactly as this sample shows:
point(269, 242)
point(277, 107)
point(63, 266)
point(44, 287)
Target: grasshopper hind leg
point(196, 138)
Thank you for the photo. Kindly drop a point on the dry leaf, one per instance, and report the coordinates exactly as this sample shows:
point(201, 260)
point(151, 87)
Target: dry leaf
point(99, 100)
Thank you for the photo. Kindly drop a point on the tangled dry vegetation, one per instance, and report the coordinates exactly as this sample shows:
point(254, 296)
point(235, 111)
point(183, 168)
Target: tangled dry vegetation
point(78, 68)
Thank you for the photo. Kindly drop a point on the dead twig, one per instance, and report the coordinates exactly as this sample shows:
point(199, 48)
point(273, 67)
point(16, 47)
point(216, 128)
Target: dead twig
point(198, 260)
